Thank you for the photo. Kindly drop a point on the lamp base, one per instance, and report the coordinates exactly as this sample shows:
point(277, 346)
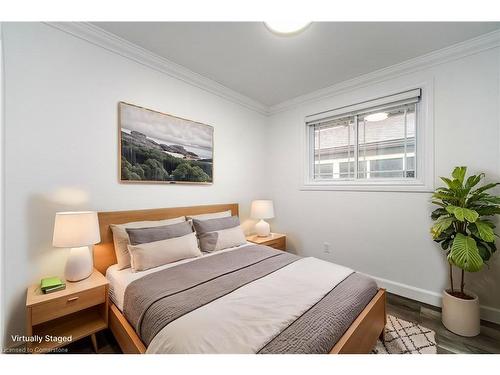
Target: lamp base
point(79, 265)
point(263, 228)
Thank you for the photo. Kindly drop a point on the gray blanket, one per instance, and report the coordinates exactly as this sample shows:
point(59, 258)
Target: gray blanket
point(318, 329)
point(159, 298)
point(155, 300)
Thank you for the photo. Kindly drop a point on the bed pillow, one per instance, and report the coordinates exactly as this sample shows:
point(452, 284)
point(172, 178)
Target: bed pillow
point(121, 240)
point(138, 236)
point(215, 215)
point(154, 254)
point(218, 234)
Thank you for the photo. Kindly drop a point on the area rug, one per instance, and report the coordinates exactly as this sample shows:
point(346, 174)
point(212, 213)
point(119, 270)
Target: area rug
point(402, 337)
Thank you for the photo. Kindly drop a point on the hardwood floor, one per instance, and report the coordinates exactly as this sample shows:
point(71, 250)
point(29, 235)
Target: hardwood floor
point(428, 316)
point(106, 344)
point(488, 341)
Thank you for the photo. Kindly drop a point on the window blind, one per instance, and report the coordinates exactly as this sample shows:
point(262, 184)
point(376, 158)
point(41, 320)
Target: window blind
point(406, 97)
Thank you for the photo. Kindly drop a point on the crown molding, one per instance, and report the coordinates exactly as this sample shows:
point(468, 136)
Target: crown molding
point(453, 52)
point(124, 48)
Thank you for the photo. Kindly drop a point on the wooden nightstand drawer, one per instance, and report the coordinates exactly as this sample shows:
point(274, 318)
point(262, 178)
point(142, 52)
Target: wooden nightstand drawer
point(274, 240)
point(279, 243)
point(67, 304)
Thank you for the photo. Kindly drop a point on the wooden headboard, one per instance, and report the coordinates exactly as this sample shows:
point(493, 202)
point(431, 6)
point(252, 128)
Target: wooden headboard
point(104, 252)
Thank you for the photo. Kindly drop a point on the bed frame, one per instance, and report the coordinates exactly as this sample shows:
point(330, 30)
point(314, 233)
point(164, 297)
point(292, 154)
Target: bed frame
point(359, 338)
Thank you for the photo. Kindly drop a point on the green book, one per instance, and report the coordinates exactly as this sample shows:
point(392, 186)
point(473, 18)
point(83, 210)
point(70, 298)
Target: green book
point(50, 282)
point(54, 289)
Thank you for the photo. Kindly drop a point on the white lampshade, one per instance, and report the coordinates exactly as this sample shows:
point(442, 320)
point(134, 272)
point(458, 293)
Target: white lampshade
point(262, 209)
point(76, 229)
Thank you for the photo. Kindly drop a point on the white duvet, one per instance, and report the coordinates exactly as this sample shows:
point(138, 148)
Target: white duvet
point(245, 320)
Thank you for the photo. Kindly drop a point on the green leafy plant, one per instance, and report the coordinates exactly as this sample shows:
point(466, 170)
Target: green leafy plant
point(462, 223)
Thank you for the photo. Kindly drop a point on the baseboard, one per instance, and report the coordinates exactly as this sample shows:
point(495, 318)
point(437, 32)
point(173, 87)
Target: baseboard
point(488, 313)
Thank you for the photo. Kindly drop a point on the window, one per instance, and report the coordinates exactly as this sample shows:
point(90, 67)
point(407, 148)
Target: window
point(367, 144)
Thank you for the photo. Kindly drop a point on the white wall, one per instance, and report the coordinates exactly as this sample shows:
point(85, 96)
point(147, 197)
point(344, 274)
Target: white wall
point(386, 234)
point(61, 146)
point(2, 179)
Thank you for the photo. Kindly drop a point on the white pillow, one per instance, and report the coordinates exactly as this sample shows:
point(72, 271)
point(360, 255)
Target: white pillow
point(215, 215)
point(121, 240)
point(155, 254)
point(222, 239)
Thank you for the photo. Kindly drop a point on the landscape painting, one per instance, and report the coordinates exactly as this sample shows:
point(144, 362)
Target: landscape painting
point(160, 148)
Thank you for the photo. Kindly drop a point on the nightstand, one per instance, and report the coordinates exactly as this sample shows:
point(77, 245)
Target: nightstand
point(78, 311)
point(275, 240)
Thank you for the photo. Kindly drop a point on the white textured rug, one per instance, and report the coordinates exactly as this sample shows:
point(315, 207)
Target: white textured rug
point(402, 337)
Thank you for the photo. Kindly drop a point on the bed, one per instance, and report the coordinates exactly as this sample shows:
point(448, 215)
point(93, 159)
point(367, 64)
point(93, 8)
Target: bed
point(248, 299)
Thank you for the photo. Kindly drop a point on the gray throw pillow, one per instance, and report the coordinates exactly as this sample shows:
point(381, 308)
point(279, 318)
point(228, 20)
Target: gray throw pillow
point(218, 234)
point(211, 225)
point(139, 236)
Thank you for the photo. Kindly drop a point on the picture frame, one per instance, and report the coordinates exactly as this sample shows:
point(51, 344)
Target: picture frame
point(156, 147)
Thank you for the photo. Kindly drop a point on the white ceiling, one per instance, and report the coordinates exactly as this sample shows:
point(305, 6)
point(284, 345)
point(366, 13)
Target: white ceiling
point(248, 58)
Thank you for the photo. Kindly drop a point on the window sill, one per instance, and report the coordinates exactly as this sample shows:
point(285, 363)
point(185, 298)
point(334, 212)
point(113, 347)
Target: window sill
point(392, 186)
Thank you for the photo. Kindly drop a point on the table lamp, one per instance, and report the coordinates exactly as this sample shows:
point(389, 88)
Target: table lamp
point(262, 209)
point(77, 230)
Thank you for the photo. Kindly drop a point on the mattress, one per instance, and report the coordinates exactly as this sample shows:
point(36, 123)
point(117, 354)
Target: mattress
point(120, 279)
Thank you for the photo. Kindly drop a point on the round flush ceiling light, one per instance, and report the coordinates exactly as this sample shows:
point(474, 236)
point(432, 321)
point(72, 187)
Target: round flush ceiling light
point(286, 27)
point(377, 116)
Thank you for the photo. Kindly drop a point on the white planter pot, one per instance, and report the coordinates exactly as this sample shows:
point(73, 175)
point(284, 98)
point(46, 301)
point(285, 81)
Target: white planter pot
point(461, 316)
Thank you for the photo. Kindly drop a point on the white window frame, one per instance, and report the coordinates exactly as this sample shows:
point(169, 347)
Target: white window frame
point(424, 180)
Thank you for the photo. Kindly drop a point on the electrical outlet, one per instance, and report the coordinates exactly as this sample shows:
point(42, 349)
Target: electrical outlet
point(326, 247)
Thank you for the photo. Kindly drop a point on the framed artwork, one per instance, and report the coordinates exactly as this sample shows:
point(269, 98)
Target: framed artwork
point(159, 148)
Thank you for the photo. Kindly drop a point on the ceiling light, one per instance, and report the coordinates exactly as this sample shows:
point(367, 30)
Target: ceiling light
point(377, 116)
point(287, 27)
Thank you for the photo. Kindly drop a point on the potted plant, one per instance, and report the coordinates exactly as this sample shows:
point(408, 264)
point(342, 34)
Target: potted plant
point(464, 231)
